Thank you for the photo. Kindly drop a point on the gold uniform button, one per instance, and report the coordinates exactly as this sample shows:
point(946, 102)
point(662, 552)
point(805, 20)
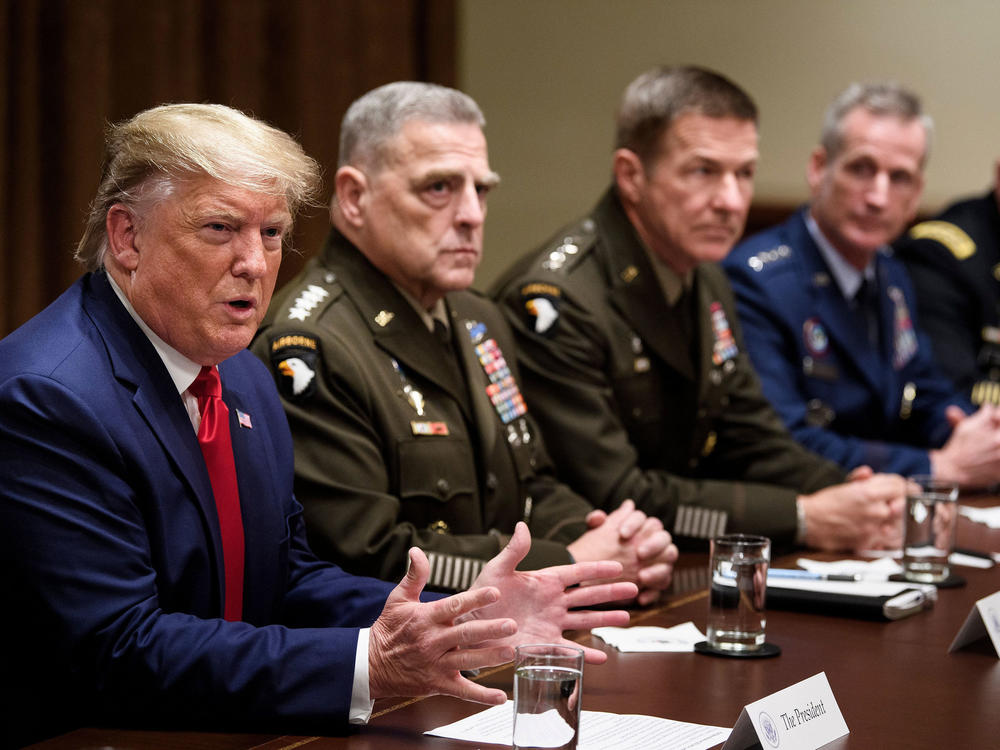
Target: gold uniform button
point(709, 443)
point(439, 527)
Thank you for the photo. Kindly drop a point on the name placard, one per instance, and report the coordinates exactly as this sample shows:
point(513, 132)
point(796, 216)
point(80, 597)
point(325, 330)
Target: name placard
point(803, 716)
point(984, 619)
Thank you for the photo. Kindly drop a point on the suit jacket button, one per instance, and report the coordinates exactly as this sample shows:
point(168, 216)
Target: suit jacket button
point(491, 481)
point(443, 487)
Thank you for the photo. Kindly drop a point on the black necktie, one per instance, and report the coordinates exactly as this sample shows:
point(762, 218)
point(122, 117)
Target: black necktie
point(687, 314)
point(441, 333)
point(866, 305)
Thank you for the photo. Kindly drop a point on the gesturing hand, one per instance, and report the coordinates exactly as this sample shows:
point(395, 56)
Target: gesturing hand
point(540, 601)
point(419, 648)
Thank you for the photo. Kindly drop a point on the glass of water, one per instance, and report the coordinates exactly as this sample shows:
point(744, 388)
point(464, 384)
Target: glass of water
point(929, 530)
point(548, 684)
point(738, 586)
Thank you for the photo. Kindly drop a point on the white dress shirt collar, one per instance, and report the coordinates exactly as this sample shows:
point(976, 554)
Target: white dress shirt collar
point(848, 277)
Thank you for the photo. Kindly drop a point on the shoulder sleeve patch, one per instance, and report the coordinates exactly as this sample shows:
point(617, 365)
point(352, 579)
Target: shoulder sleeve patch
point(541, 304)
point(952, 237)
point(294, 358)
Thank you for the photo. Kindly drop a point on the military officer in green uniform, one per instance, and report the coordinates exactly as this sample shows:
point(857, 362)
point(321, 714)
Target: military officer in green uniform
point(402, 387)
point(954, 262)
point(632, 353)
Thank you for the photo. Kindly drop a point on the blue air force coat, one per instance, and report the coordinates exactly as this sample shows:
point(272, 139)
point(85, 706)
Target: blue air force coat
point(110, 555)
point(839, 395)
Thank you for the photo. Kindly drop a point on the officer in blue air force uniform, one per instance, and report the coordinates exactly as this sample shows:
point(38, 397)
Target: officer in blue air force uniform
point(847, 397)
point(829, 315)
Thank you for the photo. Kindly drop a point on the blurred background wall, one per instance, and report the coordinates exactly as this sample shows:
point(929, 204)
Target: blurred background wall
point(548, 74)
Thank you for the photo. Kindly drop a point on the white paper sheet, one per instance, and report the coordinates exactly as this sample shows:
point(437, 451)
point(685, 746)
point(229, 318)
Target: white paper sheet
point(598, 731)
point(646, 638)
point(989, 516)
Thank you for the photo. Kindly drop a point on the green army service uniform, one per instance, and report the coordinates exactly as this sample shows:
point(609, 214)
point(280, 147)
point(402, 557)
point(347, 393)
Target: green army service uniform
point(649, 402)
point(403, 439)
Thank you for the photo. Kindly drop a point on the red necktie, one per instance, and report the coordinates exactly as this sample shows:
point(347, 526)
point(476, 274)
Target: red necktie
point(217, 448)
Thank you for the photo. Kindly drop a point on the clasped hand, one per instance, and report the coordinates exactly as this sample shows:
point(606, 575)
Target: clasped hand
point(420, 648)
point(639, 542)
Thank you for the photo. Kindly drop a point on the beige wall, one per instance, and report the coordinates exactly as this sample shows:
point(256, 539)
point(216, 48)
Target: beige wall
point(548, 75)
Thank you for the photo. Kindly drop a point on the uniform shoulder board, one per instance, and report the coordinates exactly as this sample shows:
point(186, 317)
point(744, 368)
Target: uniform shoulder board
point(952, 237)
point(312, 296)
point(569, 247)
point(761, 260)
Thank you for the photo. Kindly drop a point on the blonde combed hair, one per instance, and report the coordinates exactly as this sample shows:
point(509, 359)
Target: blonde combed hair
point(147, 156)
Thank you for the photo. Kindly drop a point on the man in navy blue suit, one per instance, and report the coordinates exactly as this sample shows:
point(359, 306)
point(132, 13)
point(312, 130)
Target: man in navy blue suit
point(829, 315)
point(116, 570)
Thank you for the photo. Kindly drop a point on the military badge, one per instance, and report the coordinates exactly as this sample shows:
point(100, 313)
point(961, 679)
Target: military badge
point(541, 301)
point(760, 260)
point(814, 337)
point(411, 394)
point(724, 346)
point(307, 301)
point(477, 331)
point(429, 428)
point(904, 338)
point(502, 389)
point(293, 358)
point(641, 362)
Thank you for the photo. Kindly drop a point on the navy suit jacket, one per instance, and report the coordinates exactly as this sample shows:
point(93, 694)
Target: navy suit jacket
point(110, 554)
point(839, 395)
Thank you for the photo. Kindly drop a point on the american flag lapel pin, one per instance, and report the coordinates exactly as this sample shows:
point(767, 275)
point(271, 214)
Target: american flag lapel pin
point(244, 419)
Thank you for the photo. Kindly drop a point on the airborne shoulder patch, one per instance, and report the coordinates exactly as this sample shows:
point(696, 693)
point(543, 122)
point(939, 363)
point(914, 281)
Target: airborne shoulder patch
point(541, 303)
point(951, 236)
point(294, 359)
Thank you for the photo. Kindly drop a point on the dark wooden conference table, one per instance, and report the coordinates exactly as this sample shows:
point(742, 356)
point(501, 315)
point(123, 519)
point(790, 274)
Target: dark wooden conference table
point(895, 682)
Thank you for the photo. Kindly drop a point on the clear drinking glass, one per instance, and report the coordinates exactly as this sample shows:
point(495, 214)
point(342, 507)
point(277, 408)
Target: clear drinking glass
point(548, 684)
point(929, 528)
point(738, 587)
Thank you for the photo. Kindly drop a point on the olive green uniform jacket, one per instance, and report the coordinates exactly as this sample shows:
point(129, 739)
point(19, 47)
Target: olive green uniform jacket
point(635, 404)
point(397, 443)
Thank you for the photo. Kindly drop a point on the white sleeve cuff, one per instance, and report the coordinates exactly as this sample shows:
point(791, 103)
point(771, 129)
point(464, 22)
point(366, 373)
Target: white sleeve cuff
point(361, 702)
